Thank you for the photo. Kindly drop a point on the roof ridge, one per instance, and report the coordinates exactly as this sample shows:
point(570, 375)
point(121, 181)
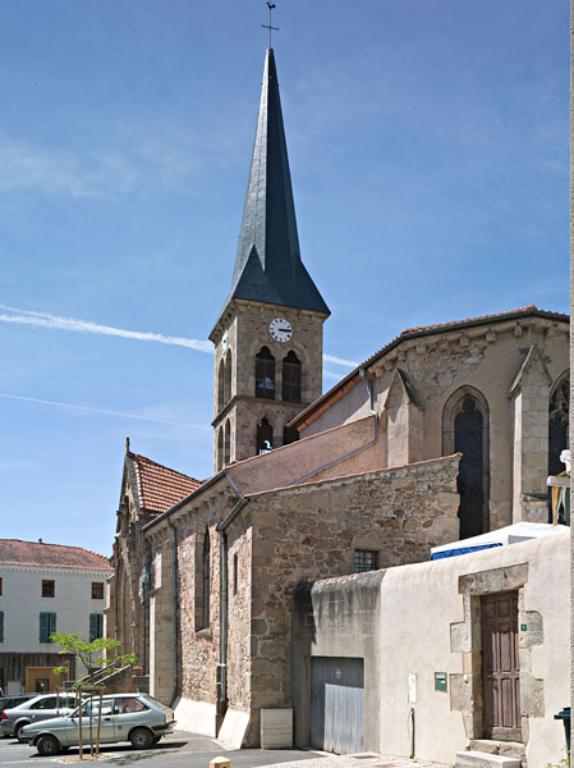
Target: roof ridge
point(163, 466)
point(52, 544)
point(525, 311)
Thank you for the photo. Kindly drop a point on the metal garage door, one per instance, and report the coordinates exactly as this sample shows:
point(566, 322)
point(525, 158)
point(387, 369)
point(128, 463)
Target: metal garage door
point(337, 704)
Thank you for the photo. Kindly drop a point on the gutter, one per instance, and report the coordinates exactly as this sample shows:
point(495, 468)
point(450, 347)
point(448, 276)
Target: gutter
point(222, 699)
point(176, 615)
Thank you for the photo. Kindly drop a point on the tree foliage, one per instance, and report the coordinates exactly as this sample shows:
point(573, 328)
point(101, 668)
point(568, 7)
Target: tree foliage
point(93, 655)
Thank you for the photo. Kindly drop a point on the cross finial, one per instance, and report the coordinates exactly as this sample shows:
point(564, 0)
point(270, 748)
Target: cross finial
point(271, 7)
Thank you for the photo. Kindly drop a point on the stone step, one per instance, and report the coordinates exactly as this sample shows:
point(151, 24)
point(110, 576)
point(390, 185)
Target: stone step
point(474, 759)
point(506, 748)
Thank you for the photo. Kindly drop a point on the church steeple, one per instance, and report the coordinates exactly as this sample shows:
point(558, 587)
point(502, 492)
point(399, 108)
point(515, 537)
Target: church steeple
point(269, 338)
point(268, 266)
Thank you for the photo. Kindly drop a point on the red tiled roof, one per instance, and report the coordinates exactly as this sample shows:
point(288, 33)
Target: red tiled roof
point(18, 552)
point(478, 320)
point(160, 487)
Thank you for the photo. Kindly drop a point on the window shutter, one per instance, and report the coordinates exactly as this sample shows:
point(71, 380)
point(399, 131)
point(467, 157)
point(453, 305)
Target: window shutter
point(1, 626)
point(96, 626)
point(43, 627)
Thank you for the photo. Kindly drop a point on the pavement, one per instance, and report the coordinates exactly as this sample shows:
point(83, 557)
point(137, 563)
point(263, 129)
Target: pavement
point(186, 750)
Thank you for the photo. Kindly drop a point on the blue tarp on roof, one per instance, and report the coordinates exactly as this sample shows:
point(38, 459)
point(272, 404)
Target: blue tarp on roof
point(462, 551)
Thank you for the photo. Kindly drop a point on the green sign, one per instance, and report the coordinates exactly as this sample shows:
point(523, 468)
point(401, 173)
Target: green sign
point(523, 627)
point(440, 681)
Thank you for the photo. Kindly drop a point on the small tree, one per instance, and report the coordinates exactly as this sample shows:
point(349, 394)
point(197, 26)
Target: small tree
point(91, 654)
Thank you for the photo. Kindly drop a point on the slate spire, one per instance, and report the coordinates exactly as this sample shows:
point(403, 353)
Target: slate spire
point(268, 266)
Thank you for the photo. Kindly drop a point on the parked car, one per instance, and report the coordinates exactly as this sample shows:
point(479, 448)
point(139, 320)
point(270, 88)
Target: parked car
point(134, 717)
point(39, 707)
point(8, 702)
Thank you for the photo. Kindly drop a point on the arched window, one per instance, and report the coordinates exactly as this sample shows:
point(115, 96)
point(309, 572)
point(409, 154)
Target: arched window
point(264, 441)
point(290, 435)
point(220, 448)
point(291, 378)
point(265, 374)
point(466, 431)
point(227, 444)
point(205, 582)
point(221, 385)
point(227, 378)
point(558, 424)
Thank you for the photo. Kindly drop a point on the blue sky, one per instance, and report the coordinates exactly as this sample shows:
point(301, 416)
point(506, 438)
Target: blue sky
point(428, 149)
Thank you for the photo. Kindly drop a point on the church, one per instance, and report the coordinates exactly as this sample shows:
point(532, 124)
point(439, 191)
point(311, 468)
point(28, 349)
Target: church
point(447, 432)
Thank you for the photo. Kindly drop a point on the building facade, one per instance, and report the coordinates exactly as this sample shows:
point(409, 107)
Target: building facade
point(446, 432)
point(46, 588)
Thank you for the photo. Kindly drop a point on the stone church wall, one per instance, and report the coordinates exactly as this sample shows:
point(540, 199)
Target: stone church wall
point(489, 359)
point(311, 532)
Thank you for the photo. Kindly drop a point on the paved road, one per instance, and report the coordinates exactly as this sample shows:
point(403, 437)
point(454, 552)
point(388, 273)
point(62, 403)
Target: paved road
point(179, 750)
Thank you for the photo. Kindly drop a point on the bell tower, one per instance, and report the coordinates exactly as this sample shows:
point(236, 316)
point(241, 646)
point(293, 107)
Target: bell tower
point(269, 337)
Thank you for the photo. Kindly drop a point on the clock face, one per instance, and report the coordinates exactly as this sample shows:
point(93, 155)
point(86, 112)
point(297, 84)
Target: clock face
point(281, 330)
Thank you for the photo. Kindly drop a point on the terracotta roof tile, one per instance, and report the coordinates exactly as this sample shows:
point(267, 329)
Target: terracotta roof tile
point(160, 487)
point(18, 552)
point(479, 319)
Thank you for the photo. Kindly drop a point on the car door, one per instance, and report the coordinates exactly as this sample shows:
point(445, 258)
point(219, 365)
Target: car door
point(129, 712)
point(43, 709)
point(107, 717)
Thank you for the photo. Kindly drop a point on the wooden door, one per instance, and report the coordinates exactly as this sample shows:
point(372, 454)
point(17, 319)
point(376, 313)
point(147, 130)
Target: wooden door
point(500, 667)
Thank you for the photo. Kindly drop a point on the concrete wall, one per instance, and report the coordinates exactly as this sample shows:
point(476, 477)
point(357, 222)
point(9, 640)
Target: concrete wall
point(422, 627)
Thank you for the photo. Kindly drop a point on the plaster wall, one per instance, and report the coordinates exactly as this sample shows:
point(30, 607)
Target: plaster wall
point(419, 615)
point(22, 602)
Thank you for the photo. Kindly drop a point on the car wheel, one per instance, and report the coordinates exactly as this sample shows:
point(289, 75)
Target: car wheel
point(141, 738)
point(17, 729)
point(48, 745)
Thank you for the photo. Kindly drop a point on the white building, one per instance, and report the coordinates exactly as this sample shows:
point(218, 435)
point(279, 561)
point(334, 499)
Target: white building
point(45, 588)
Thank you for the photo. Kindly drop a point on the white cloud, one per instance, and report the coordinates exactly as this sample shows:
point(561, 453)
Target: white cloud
point(46, 320)
point(17, 316)
point(108, 172)
point(340, 361)
point(101, 411)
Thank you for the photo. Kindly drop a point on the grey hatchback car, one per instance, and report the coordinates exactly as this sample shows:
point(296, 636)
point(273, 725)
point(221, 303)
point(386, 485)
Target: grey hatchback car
point(134, 717)
point(41, 707)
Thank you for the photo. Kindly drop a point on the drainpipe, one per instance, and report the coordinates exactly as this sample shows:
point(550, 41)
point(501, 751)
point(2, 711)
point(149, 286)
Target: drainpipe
point(145, 609)
point(176, 613)
point(222, 701)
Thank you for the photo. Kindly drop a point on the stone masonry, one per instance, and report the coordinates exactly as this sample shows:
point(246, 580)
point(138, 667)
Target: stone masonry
point(311, 532)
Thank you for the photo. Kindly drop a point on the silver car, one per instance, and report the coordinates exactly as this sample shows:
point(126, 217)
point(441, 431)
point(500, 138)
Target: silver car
point(41, 707)
point(134, 717)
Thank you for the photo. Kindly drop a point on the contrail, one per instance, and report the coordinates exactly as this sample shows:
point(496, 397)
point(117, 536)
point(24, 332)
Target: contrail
point(340, 361)
point(46, 320)
point(16, 316)
point(103, 411)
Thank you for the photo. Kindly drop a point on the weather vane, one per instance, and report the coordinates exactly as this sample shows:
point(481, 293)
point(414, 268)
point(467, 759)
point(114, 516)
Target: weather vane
point(271, 29)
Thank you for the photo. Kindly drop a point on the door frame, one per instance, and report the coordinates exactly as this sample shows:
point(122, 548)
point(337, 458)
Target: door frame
point(466, 639)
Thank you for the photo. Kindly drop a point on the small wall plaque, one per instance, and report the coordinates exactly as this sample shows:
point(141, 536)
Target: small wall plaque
point(523, 627)
point(440, 681)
